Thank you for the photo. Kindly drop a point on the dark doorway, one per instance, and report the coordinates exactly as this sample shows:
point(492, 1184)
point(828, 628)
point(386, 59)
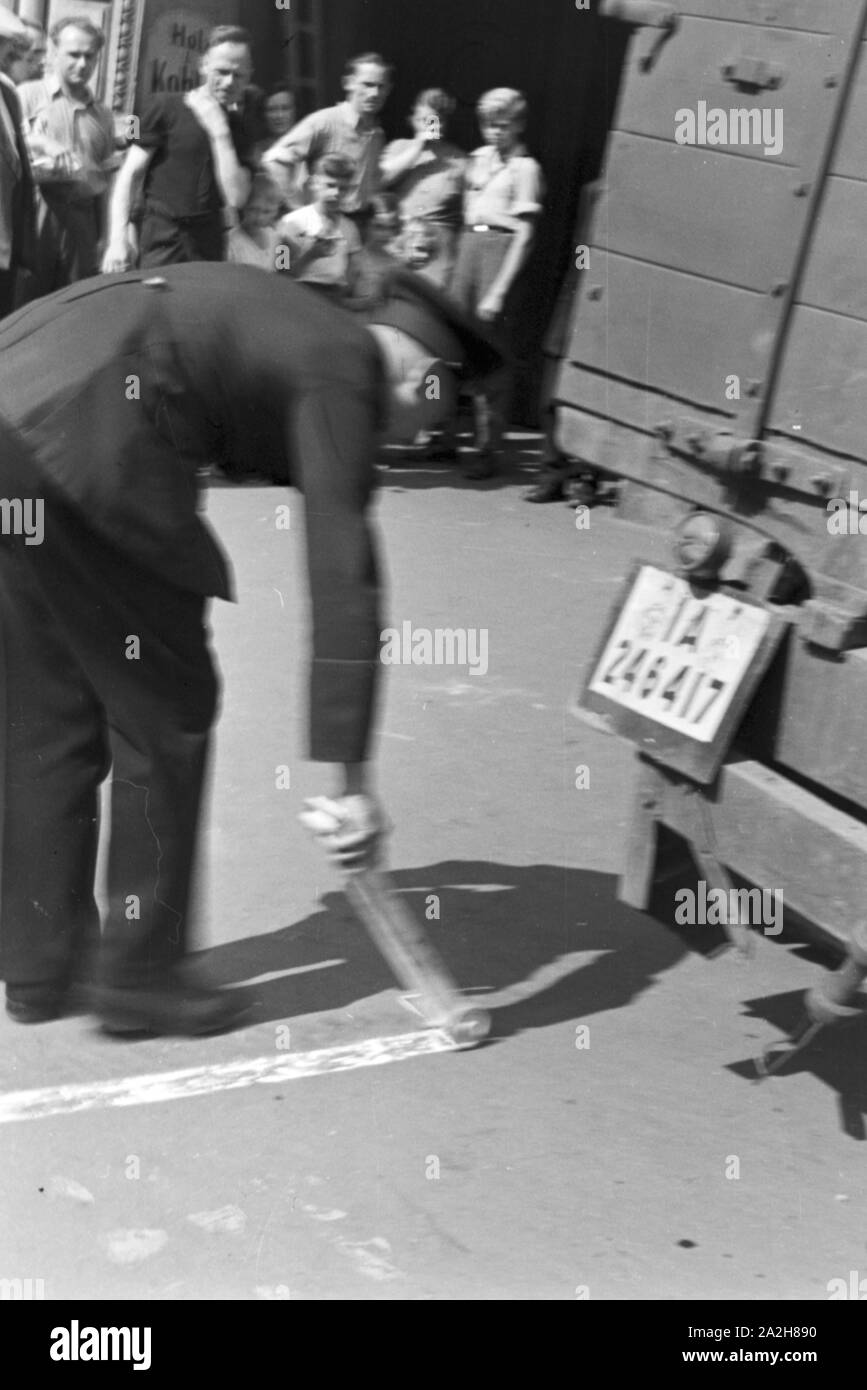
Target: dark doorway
point(567, 61)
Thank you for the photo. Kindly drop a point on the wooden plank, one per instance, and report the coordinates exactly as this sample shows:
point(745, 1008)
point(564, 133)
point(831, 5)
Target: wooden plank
point(664, 330)
point(607, 423)
point(836, 277)
point(777, 835)
point(822, 392)
point(814, 16)
point(809, 717)
point(694, 210)
point(636, 881)
point(688, 70)
point(622, 403)
point(850, 156)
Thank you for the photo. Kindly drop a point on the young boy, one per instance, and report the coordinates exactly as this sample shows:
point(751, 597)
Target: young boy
point(256, 241)
point(503, 194)
point(324, 245)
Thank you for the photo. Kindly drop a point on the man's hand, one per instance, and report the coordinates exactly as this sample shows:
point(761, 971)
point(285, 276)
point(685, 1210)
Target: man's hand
point(350, 828)
point(491, 307)
point(320, 247)
point(117, 258)
point(208, 112)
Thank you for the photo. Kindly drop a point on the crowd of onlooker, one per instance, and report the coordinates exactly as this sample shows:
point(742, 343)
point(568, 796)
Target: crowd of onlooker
point(225, 172)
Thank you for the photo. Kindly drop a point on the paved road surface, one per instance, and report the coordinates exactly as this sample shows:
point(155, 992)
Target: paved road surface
point(592, 1148)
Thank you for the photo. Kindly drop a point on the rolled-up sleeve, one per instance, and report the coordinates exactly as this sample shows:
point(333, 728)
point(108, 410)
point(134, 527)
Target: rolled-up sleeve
point(529, 188)
point(299, 143)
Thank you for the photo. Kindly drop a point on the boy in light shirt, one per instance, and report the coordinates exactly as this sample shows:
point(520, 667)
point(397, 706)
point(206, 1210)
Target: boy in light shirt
point(503, 193)
point(324, 245)
point(257, 241)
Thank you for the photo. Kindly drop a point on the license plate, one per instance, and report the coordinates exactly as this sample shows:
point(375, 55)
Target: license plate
point(678, 655)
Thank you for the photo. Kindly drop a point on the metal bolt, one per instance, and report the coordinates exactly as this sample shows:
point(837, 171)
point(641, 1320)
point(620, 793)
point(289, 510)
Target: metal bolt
point(801, 190)
point(780, 471)
point(821, 482)
point(663, 429)
point(832, 81)
point(753, 388)
point(595, 292)
point(779, 288)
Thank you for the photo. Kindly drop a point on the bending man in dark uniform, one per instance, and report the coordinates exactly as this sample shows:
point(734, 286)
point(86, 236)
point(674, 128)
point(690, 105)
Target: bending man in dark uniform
point(104, 585)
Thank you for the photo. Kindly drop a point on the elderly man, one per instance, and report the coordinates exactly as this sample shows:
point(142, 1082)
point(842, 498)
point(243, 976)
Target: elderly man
point(71, 139)
point(102, 614)
point(349, 129)
point(17, 229)
point(196, 154)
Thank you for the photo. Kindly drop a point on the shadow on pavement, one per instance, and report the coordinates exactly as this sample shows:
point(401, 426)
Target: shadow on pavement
point(835, 1056)
point(537, 945)
point(511, 937)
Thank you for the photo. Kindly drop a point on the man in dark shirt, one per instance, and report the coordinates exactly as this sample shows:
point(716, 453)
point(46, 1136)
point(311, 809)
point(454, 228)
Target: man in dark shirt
point(104, 585)
point(196, 154)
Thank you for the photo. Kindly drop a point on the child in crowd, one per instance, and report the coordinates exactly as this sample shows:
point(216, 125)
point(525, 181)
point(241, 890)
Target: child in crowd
point(257, 241)
point(324, 246)
point(503, 194)
point(417, 247)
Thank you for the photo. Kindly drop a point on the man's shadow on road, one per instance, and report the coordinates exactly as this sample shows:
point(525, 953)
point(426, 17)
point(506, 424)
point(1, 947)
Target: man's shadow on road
point(537, 945)
point(502, 930)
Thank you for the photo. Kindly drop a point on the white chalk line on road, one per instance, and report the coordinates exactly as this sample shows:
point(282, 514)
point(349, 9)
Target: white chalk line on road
point(152, 1088)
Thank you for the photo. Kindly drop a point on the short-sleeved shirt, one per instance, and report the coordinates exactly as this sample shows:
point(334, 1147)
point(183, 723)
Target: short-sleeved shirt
point(83, 128)
point(337, 130)
point(181, 177)
point(433, 188)
point(241, 249)
point(495, 187)
point(306, 223)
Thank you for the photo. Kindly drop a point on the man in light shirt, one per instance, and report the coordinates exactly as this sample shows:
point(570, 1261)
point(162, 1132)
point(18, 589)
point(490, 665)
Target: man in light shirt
point(350, 129)
point(71, 139)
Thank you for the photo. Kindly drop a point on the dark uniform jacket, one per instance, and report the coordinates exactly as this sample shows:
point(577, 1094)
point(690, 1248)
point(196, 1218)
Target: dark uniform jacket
point(123, 390)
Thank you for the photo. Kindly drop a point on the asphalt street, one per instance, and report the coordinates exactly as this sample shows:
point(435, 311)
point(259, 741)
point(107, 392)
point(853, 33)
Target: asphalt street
point(609, 1142)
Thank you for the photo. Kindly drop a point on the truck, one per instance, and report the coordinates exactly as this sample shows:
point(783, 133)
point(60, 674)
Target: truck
point(714, 361)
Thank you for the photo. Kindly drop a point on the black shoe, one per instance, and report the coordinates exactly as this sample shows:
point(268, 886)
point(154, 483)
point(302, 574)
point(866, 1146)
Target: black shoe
point(437, 452)
point(172, 1009)
point(549, 490)
point(485, 464)
point(34, 1003)
point(581, 492)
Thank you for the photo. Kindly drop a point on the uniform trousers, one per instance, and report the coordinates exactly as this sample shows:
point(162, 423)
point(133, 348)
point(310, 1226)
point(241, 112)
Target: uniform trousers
point(82, 697)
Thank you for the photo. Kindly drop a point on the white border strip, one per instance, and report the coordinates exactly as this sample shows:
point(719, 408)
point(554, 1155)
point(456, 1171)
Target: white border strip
point(227, 1076)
